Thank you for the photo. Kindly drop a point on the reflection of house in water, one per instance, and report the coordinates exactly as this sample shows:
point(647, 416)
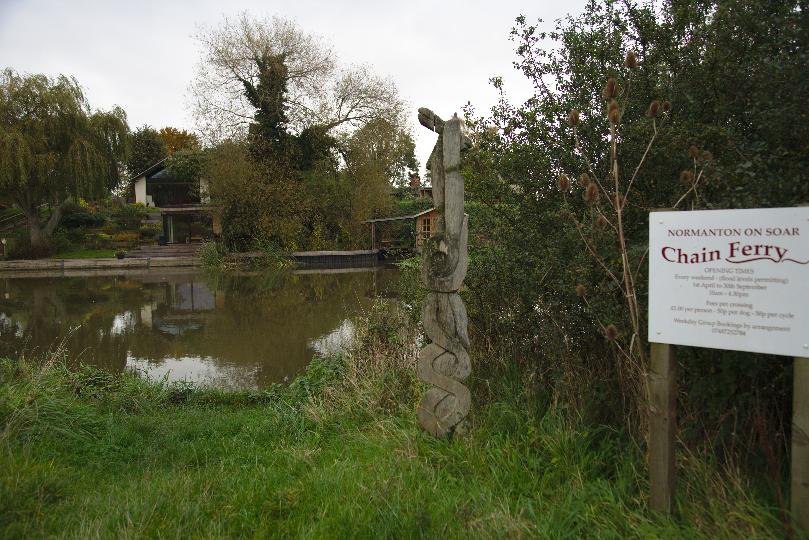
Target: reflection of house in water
point(180, 307)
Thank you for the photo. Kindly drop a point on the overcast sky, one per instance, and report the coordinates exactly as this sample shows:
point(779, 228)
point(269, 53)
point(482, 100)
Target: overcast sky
point(141, 54)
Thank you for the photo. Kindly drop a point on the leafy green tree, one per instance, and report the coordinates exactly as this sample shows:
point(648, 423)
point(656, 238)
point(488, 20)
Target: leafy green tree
point(54, 147)
point(377, 157)
point(254, 209)
point(147, 147)
point(326, 166)
point(186, 165)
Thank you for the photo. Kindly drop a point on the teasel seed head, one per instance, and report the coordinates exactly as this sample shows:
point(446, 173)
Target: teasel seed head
point(573, 118)
point(687, 178)
point(601, 222)
point(666, 106)
point(610, 89)
point(654, 108)
point(591, 193)
point(693, 151)
point(611, 332)
point(584, 180)
point(615, 117)
point(581, 290)
point(631, 60)
point(563, 182)
point(707, 156)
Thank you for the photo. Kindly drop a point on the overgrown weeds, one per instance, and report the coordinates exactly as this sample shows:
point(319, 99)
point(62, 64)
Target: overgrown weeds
point(337, 453)
point(266, 256)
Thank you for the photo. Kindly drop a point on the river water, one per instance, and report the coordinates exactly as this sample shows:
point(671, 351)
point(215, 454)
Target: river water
point(229, 331)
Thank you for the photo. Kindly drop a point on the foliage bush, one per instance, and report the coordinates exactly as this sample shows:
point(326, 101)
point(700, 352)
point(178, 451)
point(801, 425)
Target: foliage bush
point(61, 242)
point(126, 237)
point(81, 218)
point(150, 232)
point(212, 256)
point(729, 95)
point(409, 205)
point(98, 240)
point(18, 245)
point(272, 257)
point(129, 216)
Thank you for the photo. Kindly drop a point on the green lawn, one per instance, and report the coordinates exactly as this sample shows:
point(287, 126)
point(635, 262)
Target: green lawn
point(338, 454)
point(86, 254)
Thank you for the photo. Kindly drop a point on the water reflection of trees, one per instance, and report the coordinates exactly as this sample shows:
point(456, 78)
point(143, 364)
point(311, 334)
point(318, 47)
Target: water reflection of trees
point(43, 313)
point(258, 324)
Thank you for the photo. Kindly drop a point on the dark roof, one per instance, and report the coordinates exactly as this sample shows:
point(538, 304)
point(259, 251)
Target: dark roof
point(400, 218)
point(162, 174)
point(152, 169)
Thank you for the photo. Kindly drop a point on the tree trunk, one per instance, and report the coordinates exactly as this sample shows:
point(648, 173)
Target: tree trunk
point(40, 235)
point(39, 243)
point(53, 221)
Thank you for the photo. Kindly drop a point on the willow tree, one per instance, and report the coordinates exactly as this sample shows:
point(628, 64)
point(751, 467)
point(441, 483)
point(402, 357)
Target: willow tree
point(54, 147)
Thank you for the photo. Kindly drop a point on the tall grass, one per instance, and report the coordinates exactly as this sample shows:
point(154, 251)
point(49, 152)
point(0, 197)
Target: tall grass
point(337, 453)
point(212, 256)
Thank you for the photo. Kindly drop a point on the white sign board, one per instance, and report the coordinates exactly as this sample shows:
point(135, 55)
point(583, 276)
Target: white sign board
point(731, 279)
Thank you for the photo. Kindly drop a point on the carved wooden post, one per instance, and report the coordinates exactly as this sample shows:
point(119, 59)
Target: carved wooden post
point(444, 363)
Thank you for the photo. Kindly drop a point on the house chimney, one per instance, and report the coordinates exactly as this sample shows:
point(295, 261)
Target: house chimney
point(415, 181)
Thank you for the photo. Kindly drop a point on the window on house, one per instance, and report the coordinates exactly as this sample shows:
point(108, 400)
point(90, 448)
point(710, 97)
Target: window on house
point(426, 225)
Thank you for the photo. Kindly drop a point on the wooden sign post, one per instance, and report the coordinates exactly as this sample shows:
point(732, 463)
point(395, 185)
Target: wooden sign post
point(662, 427)
point(735, 280)
point(800, 445)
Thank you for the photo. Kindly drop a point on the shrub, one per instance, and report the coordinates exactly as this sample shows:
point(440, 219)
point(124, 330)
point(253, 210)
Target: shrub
point(61, 242)
point(212, 256)
point(75, 236)
point(126, 237)
point(76, 216)
point(18, 245)
point(272, 255)
point(149, 232)
point(129, 216)
point(97, 240)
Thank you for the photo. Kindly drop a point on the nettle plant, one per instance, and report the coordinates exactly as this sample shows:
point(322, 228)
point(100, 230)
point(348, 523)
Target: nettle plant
point(607, 197)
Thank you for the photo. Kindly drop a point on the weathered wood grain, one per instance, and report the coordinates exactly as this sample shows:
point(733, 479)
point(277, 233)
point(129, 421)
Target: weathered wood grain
point(662, 427)
point(444, 363)
point(800, 446)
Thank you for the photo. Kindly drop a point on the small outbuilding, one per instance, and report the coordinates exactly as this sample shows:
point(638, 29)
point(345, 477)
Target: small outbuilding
point(388, 236)
point(185, 210)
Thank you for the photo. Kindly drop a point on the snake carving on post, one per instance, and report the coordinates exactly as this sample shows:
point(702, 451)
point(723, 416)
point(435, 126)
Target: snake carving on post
point(444, 363)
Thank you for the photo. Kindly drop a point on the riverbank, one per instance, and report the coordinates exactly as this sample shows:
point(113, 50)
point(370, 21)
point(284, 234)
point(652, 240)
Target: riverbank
point(305, 259)
point(84, 453)
point(60, 265)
